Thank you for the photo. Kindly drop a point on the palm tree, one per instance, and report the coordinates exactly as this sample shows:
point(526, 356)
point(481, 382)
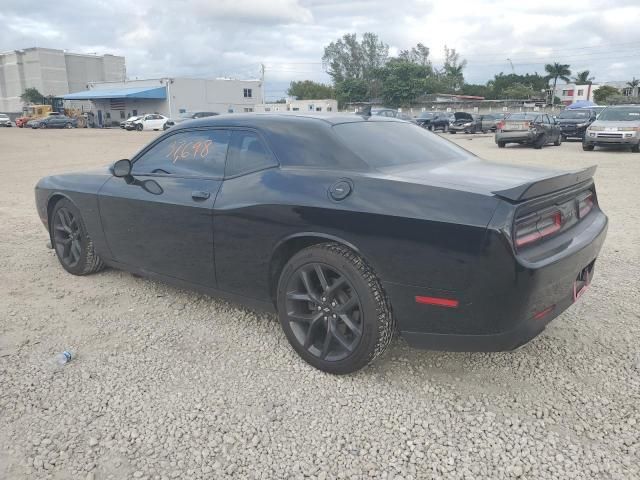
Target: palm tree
point(583, 78)
point(633, 84)
point(557, 71)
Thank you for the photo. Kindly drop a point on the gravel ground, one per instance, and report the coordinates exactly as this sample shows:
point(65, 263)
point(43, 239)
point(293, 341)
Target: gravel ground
point(171, 384)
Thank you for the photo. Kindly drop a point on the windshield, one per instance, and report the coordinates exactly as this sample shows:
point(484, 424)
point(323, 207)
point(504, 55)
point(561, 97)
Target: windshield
point(187, 115)
point(575, 114)
point(392, 144)
point(621, 114)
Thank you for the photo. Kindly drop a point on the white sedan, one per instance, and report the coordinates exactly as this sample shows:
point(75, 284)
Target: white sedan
point(152, 121)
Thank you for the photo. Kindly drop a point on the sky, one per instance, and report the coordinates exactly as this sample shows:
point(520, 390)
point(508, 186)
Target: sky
point(232, 38)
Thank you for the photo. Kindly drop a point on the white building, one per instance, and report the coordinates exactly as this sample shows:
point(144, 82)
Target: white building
point(325, 105)
point(112, 102)
point(569, 93)
point(52, 72)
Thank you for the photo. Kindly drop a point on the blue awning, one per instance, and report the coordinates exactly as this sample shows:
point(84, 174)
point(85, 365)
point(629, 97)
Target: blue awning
point(158, 93)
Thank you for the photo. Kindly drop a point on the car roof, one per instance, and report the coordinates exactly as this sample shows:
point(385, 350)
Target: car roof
point(258, 120)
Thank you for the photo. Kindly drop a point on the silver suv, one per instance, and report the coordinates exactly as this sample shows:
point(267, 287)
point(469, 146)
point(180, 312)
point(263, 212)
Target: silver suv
point(618, 125)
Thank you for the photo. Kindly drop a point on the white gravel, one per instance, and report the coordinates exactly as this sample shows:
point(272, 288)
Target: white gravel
point(172, 384)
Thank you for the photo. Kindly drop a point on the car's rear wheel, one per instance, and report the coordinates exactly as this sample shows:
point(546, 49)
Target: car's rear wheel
point(501, 144)
point(139, 127)
point(540, 142)
point(452, 132)
point(332, 309)
point(587, 148)
point(71, 242)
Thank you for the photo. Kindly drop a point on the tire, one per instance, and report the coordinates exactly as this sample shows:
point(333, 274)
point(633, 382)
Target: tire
point(345, 298)
point(587, 148)
point(445, 128)
point(635, 148)
point(68, 125)
point(540, 142)
point(501, 144)
point(431, 129)
point(139, 127)
point(68, 229)
point(452, 132)
point(558, 142)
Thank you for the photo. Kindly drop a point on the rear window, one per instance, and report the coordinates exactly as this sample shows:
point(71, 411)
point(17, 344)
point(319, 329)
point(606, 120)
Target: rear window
point(575, 114)
point(621, 114)
point(522, 116)
point(390, 144)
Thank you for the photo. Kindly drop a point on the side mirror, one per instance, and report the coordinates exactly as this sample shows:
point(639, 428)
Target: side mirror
point(122, 168)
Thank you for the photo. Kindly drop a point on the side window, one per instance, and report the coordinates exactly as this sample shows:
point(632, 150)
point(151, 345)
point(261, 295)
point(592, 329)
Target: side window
point(247, 153)
point(546, 119)
point(199, 153)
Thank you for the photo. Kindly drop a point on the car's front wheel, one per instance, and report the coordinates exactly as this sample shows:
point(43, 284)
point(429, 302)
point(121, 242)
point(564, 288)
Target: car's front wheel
point(68, 125)
point(333, 309)
point(139, 127)
point(501, 144)
point(71, 241)
point(587, 147)
point(558, 141)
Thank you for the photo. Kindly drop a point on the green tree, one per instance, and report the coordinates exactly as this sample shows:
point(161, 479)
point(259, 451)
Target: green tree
point(32, 95)
point(418, 54)
point(348, 59)
point(476, 90)
point(352, 90)
point(600, 95)
point(519, 91)
point(633, 87)
point(310, 90)
point(502, 82)
point(583, 78)
point(402, 82)
point(557, 71)
point(452, 70)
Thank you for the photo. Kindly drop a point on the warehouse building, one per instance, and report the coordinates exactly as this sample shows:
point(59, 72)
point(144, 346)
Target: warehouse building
point(291, 105)
point(53, 73)
point(111, 102)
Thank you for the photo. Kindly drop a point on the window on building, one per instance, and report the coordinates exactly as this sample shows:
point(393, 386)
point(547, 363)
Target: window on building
point(182, 110)
point(580, 92)
point(318, 109)
point(199, 153)
point(248, 109)
point(329, 109)
point(230, 110)
point(248, 93)
point(267, 109)
point(565, 93)
point(295, 109)
point(122, 116)
point(311, 108)
point(247, 154)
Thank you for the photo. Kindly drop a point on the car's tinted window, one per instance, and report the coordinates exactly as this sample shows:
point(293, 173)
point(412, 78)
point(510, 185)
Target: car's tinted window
point(199, 153)
point(521, 116)
point(247, 153)
point(388, 144)
point(426, 115)
point(575, 114)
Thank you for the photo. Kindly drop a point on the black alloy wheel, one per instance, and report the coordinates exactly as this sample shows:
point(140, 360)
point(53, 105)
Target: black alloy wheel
point(72, 244)
point(67, 237)
point(332, 308)
point(324, 312)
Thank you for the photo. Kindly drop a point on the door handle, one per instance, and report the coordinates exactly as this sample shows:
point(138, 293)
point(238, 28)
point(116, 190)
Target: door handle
point(200, 195)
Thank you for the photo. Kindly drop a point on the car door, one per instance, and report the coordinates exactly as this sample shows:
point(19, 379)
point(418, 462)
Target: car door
point(549, 127)
point(242, 259)
point(160, 219)
point(54, 121)
point(146, 122)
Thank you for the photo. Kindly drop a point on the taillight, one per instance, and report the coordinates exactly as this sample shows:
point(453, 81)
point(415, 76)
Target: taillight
point(535, 227)
point(585, 204)
point(500, 125)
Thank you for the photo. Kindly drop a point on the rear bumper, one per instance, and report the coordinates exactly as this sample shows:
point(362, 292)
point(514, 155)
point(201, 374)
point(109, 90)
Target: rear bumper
point(520, 136)
point(507, 304)
point(571, 131)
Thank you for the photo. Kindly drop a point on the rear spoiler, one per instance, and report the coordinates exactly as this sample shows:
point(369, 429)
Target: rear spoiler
point(543, 186)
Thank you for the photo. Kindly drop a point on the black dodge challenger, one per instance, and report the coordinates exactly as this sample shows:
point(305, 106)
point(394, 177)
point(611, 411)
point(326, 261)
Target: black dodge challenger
point(350, 227)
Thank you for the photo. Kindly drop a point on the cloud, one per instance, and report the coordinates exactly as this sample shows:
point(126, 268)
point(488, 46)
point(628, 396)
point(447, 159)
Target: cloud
point(207, 38)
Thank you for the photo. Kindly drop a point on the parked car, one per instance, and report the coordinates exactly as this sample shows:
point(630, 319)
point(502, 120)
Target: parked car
point(616, 125)
point(466, 123)
point(128, 122)
point(54, 121)
point(22, 121)
point(187, 116)
point(434, 121)
point(488, 122)
point(384, 112)
point(406, 117)
point(5, 121)
point(531, 128)
point(345, 225)
point(151, 121)
point(574, 123)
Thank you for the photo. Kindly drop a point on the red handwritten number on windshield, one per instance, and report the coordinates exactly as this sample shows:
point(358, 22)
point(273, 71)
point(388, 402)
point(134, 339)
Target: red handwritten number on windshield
point(184, 150)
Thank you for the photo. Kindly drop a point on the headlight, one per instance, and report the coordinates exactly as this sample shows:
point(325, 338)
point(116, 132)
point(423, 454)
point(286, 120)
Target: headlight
point(467, 125)
point(581, 125)
point(628, 129)
point(596, 129)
